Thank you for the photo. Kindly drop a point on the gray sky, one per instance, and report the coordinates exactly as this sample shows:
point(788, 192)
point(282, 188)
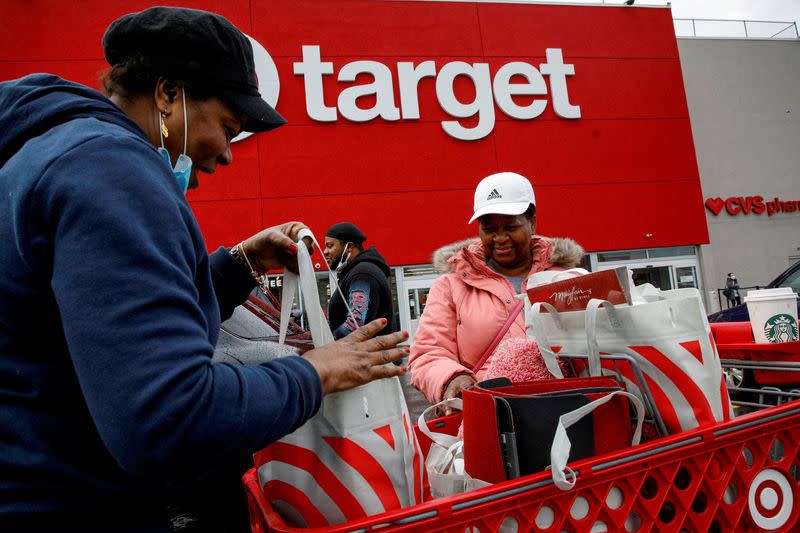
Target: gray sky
point(783, 10)
point(788, 10)
point(750, 10)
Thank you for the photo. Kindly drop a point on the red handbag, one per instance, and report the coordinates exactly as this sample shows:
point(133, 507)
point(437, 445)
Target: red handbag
point(512, 430)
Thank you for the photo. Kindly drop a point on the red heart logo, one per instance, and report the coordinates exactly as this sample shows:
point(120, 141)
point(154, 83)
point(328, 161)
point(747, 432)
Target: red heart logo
point(715, 205)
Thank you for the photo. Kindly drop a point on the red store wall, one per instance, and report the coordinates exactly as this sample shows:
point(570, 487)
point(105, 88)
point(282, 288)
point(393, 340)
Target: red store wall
point(625, 170)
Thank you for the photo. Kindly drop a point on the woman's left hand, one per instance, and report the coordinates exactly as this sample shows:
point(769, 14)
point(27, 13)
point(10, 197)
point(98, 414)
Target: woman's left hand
point(275, 248)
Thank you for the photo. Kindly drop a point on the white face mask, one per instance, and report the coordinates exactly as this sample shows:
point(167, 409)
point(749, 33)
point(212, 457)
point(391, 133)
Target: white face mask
point(183, 166)
point(344, 258)
point(334, 273)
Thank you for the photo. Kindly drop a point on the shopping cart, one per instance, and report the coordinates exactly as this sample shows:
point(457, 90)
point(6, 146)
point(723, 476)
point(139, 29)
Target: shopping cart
point(740, 475)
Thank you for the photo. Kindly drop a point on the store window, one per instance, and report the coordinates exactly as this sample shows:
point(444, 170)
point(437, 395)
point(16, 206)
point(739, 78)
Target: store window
point(671, 267)
point(671, 251)
point(624, 255)
point(656, 276)
point(649, 253)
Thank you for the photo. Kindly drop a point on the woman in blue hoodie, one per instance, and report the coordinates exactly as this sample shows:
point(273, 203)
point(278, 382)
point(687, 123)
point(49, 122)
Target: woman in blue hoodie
point(109, 304)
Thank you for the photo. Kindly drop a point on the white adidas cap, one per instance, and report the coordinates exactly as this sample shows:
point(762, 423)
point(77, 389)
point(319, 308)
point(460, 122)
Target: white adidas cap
point(504, 193)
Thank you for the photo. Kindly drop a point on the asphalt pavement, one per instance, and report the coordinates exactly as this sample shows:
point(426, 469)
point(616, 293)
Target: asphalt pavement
point(414, 399)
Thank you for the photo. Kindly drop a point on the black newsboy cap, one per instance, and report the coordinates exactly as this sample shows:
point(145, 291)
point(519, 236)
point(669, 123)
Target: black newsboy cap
point(198, 45)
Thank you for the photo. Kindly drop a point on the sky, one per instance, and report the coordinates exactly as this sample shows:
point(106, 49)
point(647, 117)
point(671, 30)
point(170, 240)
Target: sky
point(750, 10)
point(784, 10)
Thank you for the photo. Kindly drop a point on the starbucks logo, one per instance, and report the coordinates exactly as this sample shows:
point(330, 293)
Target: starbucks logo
point(781, 328)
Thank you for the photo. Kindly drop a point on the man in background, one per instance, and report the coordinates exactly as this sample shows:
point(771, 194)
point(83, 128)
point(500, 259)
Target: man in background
point(363, 278)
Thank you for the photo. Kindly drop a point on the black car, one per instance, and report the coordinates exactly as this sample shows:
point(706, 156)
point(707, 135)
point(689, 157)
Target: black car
point(788, 278)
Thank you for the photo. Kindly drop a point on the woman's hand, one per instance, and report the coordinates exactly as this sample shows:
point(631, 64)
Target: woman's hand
point(454, 388)
point(358, 358)
point(274, 248)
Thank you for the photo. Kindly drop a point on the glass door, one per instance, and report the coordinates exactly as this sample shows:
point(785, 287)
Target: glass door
point(664, 274)
point(417, 298)
point(412, 295)
point(658, 276)
point(685, 276)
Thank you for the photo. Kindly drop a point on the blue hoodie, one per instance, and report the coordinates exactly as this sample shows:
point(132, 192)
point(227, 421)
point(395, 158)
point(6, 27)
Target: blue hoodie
point(108, 319)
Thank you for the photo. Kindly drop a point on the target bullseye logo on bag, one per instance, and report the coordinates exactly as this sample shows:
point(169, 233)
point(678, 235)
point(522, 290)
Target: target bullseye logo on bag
point(479, 113)
point(359, 455)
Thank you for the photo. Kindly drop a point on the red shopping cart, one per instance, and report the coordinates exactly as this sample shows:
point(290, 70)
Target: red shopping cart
point(741, 475)
point(759, 375)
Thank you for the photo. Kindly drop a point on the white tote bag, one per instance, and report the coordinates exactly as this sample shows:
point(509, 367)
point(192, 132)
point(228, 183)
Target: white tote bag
point(667, 335)
point(444, 463)
point(358, 456)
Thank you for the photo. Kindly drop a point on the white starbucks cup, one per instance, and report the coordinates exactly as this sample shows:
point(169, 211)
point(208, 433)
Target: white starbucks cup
point(773, 315)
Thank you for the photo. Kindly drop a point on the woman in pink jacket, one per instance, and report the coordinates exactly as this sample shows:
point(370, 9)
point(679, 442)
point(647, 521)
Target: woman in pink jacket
point(469, 304)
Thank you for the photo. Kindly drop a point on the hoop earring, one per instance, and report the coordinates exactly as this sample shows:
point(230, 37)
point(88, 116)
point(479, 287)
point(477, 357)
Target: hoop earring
point(164, 130)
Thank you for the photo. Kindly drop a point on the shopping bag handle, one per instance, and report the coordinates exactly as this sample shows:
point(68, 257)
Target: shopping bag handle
point(549, 357)
point(559, 451)
point(592, 308)
point(306, 281)
point(442, 439)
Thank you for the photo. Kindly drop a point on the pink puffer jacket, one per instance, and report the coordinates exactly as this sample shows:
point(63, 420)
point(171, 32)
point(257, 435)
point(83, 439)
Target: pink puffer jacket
point(466, 308)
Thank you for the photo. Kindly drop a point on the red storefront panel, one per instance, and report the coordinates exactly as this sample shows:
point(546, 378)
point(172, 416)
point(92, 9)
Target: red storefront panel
point(35, 30)
point(226, 222)
point(367, 28)
point(587, 31)
point(599, 151)
point(624, 170)
point(377, 160)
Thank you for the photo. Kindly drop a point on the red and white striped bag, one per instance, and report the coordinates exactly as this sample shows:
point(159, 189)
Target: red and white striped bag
point(667, 335)
point(358, 456)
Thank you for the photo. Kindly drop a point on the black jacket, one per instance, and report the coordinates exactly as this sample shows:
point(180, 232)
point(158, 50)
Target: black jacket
point(731, 288)
point(365, 283)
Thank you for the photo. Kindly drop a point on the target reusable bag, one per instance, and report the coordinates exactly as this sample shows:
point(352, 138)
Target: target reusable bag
point(667, 335)
point(358, 456)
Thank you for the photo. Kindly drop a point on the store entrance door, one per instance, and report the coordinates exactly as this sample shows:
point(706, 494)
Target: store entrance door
point(411, 298)
point(668, 268)
point(678, 275)
point(657, 276)
point(685, 276)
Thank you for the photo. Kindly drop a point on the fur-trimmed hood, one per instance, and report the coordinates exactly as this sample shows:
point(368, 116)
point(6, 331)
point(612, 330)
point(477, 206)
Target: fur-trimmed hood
point(566, 253)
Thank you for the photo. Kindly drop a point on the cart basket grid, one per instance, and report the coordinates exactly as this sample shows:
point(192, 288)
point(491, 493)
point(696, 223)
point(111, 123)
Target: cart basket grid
point(741, 475)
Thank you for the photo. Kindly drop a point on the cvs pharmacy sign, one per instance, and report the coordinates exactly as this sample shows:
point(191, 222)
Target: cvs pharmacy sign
point(516, 78)
point(746, 205)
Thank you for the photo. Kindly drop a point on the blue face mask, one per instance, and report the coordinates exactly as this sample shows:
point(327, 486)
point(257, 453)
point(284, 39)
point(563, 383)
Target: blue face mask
point(182, 169)
point(183, 166)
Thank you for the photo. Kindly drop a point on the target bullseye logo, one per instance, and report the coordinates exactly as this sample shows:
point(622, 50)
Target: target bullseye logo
point(268, 83)
point(770, 499)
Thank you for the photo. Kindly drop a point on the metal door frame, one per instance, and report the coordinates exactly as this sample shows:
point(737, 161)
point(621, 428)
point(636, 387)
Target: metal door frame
point(671, 262)
point(404, 284)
